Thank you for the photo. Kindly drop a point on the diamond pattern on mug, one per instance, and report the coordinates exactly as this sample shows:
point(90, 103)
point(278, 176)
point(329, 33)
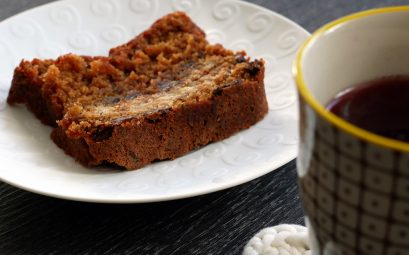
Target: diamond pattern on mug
point(347, 251)
point(309, 185)
point(403, 164)
point(326, 131)
point(323, 237)
point(376, 203)
point(349, 192)
point(378, 180)
point(326, 154)
point(370, 246)
point(379, 157)
point(330, 248)
point(324, 221)
point(349, 145)
point(402, 189)
point(325, 201)
point(399, 234)
point(401, 211)
point(326, 178)
point(397, 251)
point(313, 167)
point(346, 215)
point(345, 235)
point(349, 168)
point(309, 205)
point(373, 227)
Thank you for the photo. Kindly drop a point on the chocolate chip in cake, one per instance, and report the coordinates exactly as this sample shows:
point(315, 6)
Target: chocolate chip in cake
point(132, 95)
point(240, 58)
point(218, 92)
point(254, 67)
point(102, 134)
point(112, 100)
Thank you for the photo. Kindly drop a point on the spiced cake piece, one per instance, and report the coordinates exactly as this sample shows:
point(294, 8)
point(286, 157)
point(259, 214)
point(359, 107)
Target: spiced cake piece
point(159, 96)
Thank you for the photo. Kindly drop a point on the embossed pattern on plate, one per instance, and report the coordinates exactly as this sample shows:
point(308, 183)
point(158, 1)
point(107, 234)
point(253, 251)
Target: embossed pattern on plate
point(31, 161)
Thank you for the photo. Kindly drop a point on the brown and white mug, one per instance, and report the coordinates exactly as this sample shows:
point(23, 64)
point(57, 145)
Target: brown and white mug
point(354, 184)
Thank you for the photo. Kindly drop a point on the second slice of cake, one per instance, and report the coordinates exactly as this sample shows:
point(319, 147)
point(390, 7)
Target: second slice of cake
point(161, 95)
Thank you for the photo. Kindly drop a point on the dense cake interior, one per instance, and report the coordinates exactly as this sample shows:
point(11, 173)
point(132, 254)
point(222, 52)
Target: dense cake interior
point(188, 82)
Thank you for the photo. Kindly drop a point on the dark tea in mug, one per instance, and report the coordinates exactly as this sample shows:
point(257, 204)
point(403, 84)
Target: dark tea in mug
point(380, 106)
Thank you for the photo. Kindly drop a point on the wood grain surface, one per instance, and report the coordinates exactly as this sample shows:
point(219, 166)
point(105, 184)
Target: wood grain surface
point(218, 223)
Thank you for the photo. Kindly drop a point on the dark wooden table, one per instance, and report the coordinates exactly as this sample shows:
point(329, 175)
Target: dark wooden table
point(218, 223)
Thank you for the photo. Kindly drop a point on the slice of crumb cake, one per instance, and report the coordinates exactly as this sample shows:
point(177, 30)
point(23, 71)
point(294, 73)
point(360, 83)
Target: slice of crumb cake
point(159, 96)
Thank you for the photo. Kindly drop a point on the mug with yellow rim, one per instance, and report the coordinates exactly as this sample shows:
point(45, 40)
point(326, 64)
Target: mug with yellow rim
point(354, 184)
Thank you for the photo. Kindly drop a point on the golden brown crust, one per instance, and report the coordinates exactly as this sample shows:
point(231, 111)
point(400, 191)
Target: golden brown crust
point(161, 95)
point(27, 89)
point(174, 38)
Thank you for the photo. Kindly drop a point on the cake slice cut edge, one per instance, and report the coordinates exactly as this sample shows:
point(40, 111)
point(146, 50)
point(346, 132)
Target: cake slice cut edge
point(157, 97)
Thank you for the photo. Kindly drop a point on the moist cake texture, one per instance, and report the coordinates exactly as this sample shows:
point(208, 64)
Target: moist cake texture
point(162, 94)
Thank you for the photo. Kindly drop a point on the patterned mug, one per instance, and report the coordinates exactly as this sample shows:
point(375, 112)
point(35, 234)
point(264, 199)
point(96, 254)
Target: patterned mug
point(354, 184)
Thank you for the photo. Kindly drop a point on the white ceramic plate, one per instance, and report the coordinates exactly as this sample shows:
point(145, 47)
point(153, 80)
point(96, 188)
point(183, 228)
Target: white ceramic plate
point(30, 160)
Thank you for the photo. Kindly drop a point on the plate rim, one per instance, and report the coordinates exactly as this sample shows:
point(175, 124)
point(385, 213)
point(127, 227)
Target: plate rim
point(265, 170)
